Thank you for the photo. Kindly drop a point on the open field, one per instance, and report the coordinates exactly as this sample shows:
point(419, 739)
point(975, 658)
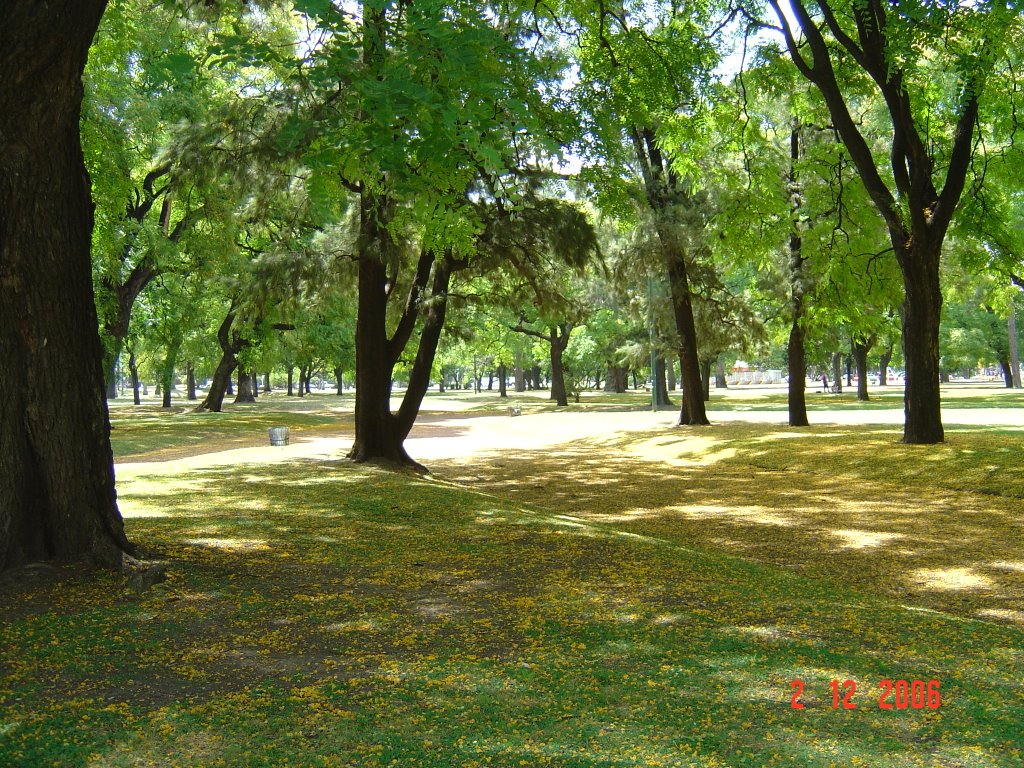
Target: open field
point(583, 588)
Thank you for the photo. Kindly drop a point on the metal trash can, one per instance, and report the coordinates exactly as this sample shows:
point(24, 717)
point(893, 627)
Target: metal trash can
point(278, 435)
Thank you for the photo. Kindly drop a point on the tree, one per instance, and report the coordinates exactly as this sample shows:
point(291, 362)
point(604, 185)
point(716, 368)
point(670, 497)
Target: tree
point(644, 74)
point(906, 50)
point(56, 467)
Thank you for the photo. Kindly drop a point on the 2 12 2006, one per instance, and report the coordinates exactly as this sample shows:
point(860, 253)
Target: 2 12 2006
point(894, 694)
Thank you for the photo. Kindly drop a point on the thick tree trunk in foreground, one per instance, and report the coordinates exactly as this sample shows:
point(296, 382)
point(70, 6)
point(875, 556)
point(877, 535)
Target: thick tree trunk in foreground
point(380, 433)
point(922, 311)
point(57, 497)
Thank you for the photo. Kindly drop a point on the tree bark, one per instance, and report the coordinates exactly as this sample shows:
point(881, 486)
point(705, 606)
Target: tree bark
point(230, 345)
point(1007, 373)
point(167, 371)
point(661, 382)
point(133, 369)
point(520, 378)
point(861, 347)
point(662, 190)
point(720, 381)
point(705, 380)
point(266, 382)
point(837, 371)
point(883, 366)
point(190, 381)
point(1011, 332)
point(670, 373)
point(57, 497)
point(796, 354)
point(558, 337)
point(502, 380)
point(291, 372)
point(918, 215)
point(303, 386)
point(922, 309)
point(243, 392)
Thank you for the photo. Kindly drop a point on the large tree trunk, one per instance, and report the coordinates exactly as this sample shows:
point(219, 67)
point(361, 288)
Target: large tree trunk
point(380, 434)
point(57, 496)
point(221, 383)
point(922, 311)
point(558, 337)
point(670, 374)
point(502, 380)
point(266, 382)
point(692, 411)
point(303, 386)
point(339, 380)
point(796, 354)
point(291, 375)
point(243, 391)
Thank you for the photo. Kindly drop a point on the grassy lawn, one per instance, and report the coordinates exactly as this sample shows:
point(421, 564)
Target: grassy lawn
point(646, 600)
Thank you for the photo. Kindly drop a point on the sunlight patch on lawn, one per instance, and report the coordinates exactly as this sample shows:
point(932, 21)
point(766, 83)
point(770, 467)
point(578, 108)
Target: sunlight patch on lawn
point(750, 514)
point(857, 539)
point(950, 579)
point(231, 545)
point(686, 450)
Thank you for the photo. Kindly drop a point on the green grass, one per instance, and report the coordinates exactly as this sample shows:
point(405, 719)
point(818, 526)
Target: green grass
point(149, 430)
point(570, 612)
